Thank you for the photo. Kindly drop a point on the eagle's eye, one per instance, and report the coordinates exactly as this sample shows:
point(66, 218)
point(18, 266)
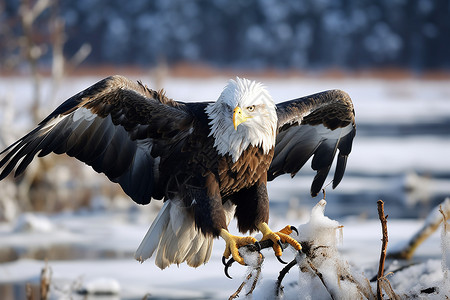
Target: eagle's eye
point(251, 108)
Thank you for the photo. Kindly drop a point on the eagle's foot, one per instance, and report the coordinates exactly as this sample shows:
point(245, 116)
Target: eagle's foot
point(233, 243)
point(278, 238)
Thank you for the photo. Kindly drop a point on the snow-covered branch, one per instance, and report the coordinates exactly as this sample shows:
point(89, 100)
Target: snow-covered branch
point(324, 273)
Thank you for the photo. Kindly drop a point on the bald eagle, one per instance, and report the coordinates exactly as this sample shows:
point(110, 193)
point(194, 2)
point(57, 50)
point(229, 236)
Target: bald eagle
point(208, 161)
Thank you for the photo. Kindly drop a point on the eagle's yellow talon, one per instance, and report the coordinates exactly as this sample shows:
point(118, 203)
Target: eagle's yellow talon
point(286, 230)
point(233, 243)
point(277, 237)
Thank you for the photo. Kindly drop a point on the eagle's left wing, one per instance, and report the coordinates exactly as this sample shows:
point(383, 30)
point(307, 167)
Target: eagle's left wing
point(118, 127)
point(318, 126)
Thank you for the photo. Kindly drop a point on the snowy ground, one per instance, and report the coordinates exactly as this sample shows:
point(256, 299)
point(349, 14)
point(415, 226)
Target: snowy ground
point(400, 155)
point(101, 246)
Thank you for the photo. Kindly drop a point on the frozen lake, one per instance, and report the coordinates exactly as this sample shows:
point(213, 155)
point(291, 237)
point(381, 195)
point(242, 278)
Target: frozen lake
point(401, 154)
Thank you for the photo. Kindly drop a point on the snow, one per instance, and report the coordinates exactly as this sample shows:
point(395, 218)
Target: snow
point(117, 236)
point(102, 286)
point(95, 247)
point(322, 235)
point(32, 223)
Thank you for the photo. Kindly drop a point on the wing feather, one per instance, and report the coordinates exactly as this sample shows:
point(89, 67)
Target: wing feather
point(112, 126)
point(317, 126)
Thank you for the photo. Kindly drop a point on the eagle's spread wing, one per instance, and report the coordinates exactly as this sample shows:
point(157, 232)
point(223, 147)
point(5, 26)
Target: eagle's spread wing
point(318, 126)
point(117, 126)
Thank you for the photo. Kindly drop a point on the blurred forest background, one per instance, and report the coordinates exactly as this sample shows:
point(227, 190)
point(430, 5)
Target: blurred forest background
point(251, 34)
point(43, 41)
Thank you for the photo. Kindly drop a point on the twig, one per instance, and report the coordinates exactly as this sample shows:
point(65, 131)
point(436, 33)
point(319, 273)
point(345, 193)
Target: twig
point(283, 273)
point(255, 281)
point(46, 277)
point(388, 288)
point(250, 275)
point(383, 220)
point(443, 216)
point(29, 291)
point(146, 296)
point(236, 294)
point(444, 234)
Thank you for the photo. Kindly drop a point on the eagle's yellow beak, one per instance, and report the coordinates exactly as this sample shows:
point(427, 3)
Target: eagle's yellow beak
point(238, 117)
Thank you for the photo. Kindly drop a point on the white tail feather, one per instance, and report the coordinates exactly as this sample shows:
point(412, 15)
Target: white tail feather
point(151, 240)
point(176, 239)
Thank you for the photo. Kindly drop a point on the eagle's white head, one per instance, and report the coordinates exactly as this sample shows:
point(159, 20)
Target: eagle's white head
point(243, 115)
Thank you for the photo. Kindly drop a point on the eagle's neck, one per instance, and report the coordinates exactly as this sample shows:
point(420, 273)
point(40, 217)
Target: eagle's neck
point(229, 141)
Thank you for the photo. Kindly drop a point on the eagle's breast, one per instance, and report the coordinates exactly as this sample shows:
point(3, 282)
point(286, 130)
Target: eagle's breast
point(250, 168)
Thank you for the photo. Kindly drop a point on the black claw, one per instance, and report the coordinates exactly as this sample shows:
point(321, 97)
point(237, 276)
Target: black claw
point(278, 257)
point(293, 228)
point(258, 246)
point(228, 265)
point(280, 260)
point(226, 273)
point(230, 262)
point(224, 262)
point(280, 244)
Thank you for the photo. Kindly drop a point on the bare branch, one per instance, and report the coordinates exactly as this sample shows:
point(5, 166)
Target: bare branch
point(444, 216)
point(30, 13)
point(29, 291)
point(46, 277)
point(383, 220)
point(431, 224)
point(236, 294)
point(386, 285)
point(283, 273)
point(82, 53)
point(255, 281)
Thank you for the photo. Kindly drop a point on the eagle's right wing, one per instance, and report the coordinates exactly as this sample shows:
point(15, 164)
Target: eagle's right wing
point(117, 126)
point(317, 126)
